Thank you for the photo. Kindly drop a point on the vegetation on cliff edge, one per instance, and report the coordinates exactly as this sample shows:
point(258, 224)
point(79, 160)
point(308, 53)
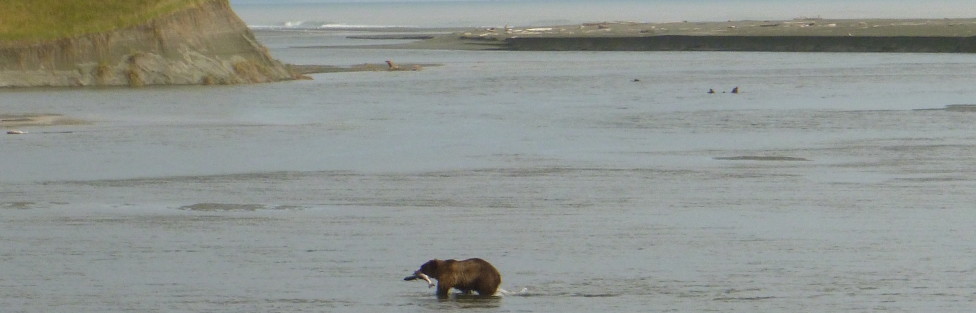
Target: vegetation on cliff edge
point(38, 20)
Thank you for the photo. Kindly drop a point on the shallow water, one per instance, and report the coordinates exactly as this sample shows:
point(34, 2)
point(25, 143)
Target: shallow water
point(827, 185)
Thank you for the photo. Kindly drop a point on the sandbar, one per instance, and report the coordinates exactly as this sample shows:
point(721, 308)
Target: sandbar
point(797, 35)
point(24, 120)
point(305, 69)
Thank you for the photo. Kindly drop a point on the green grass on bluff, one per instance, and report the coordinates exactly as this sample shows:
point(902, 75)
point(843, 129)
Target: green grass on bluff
point(38, 20)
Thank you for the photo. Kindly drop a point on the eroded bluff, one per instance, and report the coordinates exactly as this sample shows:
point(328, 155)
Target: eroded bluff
point(205, 43)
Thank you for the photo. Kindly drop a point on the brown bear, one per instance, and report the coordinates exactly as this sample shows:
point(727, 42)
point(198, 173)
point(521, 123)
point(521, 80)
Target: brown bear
point(466, 275)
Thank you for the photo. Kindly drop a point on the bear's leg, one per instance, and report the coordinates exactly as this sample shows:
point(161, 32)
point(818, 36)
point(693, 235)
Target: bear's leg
point(443, 290)
point(487, 289)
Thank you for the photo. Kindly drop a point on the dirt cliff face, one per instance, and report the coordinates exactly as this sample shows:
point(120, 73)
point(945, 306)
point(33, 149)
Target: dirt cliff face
point(205, 43)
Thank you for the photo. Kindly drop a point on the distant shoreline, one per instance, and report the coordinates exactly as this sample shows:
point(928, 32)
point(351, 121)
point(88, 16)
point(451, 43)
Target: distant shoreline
point(902, 44)
point(799, 35)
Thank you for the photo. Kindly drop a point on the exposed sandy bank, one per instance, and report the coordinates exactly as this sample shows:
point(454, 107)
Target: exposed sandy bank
point(868, 35)
point(365, 67)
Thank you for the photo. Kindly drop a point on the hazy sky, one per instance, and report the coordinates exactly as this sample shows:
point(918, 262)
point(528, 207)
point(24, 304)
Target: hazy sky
point(552, 12)
point(956, 8)
point(353, 1)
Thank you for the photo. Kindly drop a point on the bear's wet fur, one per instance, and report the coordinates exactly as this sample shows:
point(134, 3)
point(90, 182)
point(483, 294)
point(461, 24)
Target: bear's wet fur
point(466, 275)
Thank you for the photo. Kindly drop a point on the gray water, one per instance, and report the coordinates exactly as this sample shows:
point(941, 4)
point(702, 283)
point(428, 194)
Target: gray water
point(832, 183)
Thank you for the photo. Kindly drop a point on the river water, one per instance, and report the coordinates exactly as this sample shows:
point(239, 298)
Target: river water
point(831, 183)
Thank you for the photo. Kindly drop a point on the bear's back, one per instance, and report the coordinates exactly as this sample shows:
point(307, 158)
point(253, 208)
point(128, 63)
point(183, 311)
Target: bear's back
point(477, 275)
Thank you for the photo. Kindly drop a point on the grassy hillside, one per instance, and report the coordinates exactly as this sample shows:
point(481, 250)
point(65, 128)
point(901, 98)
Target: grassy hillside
point(35, 20)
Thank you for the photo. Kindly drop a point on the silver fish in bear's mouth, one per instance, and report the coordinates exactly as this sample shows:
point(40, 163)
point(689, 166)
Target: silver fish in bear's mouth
point(420, 276)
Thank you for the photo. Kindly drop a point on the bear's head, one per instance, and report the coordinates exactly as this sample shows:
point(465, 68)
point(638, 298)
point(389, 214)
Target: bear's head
point(426, 271)
point(429, 268)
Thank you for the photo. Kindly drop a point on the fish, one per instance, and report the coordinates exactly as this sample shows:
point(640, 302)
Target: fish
point(430, 284)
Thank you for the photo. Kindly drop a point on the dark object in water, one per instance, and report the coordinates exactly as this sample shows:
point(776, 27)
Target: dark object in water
point(711, 91)
point(735, 90)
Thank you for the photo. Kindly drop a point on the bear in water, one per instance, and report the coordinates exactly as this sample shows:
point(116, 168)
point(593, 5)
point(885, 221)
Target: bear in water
point(465, 275)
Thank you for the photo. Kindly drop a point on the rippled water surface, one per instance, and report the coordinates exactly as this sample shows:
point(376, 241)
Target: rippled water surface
point(833, 182)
